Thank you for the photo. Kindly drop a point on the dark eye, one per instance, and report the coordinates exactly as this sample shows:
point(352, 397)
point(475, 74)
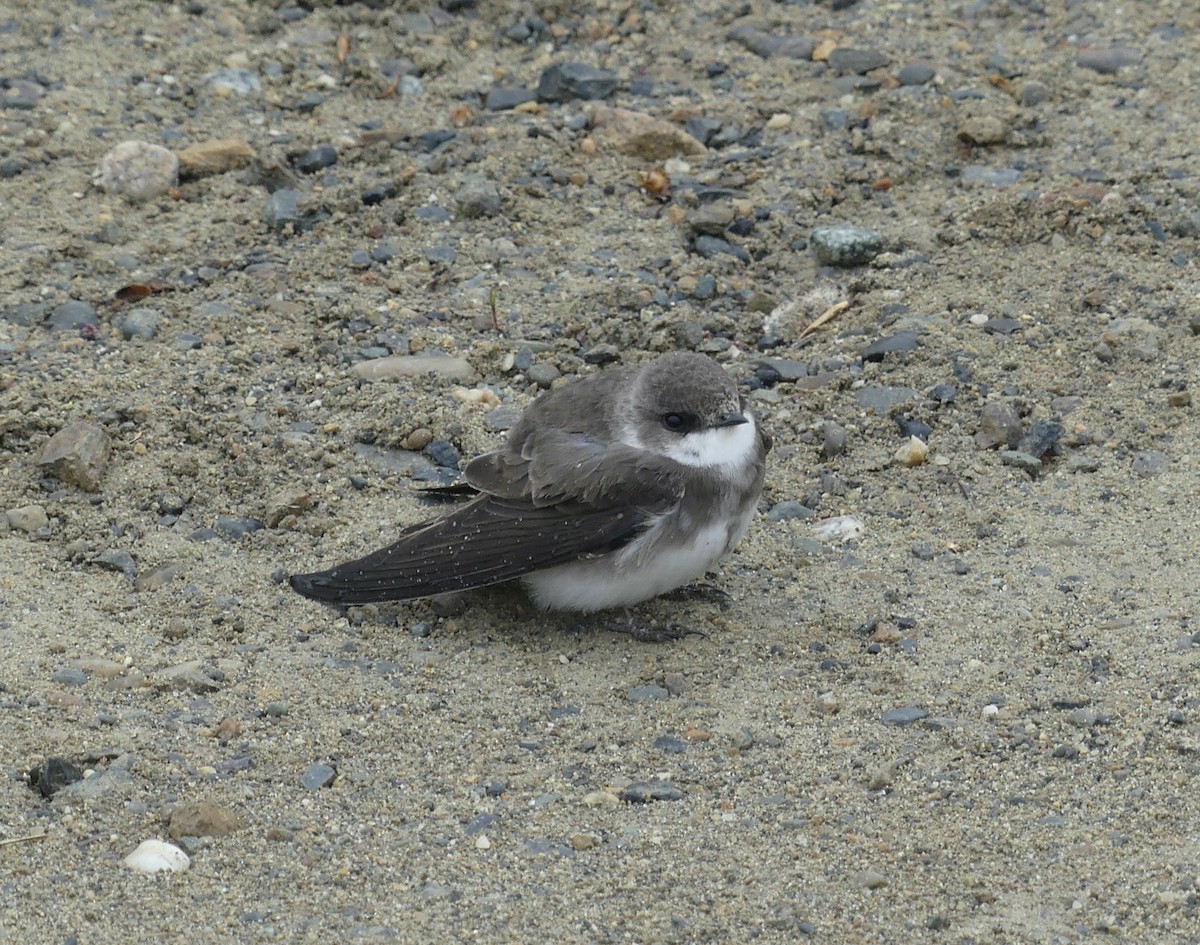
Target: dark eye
point(679, 422)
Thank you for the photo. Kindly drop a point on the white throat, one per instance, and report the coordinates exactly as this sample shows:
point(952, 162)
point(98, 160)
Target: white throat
point(732, 446)
point(720, 446)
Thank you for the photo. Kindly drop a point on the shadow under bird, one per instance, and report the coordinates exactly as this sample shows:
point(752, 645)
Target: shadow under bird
point(610, 490)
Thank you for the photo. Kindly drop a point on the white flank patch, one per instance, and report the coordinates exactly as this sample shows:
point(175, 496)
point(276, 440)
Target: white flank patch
point(603, 583)
point(720, 446)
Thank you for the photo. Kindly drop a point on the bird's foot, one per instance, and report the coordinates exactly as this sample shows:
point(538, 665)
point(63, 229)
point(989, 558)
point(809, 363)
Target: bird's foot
point(651, 631)
point(699, 591)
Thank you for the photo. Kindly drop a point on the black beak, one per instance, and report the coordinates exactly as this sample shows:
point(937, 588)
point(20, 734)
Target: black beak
point(732, 420)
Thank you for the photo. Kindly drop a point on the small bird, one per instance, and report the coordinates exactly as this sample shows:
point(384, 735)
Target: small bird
point(610, 490)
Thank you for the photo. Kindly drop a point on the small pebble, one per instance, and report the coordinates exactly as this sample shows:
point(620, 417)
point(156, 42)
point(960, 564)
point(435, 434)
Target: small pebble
point(317, 776)
point(137, 171)
point(320, 157)
point(647, 693)
point(565, 81)
point(845, 246)
point(140, 323)
point(643, 792)
point(73, 316)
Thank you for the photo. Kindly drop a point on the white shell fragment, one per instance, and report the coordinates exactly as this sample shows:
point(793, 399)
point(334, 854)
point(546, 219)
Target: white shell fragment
point(155, 856)
point(841, 528)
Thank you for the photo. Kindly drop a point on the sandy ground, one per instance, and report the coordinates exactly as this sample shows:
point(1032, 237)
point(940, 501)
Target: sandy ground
point(1034, 624)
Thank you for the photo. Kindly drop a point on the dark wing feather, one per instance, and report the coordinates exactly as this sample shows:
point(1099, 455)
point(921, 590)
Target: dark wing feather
point(553, 498)
point(486, 542)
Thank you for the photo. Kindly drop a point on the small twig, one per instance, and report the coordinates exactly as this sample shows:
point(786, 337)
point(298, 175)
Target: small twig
point(826, 316)
point(33, 836)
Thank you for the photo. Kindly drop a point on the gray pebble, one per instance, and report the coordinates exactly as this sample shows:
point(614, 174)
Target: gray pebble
point(565, 81)
point(191, 676)
point(233, 527)
point(155, 579)
point(317, 776)
point(11, 167)
point(140, 323)
point(1108, 60)
point(705, 288)
point(72, 316)
point(320, 157)
point(789, 510)
point(503, 98)
point(643, 792)
point(710, 246)
point(117, 561)
point(833, 442)
point(1021, 460)
point(845, 246)
point(502, 418)
point(901, 341)
point(69, 676)
point(602, 353)
point(544, 374)
point(233, 82)
point(766, 45)
point(26, 314)
point(477, 197)
point(845, 59)
point(670, 744)
point(1033, 93)
point(1040, 438)
point(647, 693)
point(446, 255)
point(282, 208)
point(997, 176)
point(1149, 463)
point(711, 219)
point(689, 334)
point(999, 425)
point(898, 718)
point(882, 399)
point(922, 550)
point(916, 73)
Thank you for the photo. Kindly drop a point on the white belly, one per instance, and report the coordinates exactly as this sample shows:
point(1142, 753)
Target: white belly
point(636, 573)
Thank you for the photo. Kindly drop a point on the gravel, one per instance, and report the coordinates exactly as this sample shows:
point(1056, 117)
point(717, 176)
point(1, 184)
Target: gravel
point(368, 181)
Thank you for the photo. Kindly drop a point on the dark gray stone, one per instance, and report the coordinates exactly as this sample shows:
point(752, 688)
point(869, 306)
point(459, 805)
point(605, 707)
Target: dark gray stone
point(643, 792)
point(503, 98)
point(846, 60)
point(899, 718)
point(73, 316)
point(565, 81)
point(320, 157)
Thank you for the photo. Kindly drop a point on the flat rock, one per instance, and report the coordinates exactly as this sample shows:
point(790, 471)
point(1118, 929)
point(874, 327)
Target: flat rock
point(642, 136)
point(206, 158)
point(202, 819)
point(414, 365)
point(28, 518)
